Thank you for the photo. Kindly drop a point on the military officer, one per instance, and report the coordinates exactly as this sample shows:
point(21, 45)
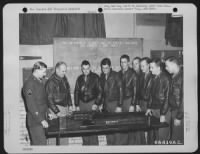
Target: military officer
point(36, 103)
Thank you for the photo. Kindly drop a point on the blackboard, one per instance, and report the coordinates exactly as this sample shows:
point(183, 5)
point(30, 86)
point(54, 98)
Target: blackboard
point(74, 50)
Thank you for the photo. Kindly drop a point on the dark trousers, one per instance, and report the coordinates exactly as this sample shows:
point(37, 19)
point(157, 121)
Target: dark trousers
point(177, 132)
point(136, 137)
point(115, 138)
point(143, 106)
point(37, 135)
point(89, 139)
point(162, 134)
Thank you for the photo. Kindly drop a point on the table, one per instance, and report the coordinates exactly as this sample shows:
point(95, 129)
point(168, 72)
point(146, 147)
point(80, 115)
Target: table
point(81, 124)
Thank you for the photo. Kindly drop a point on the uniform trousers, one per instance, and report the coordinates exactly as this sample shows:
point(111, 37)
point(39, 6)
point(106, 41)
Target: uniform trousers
point(143, 105)
point(37, 135)
point(89, 139)
point(132, 137)
point(114, 138)
point(177, 132)
point(144, 135)
point(162, 134)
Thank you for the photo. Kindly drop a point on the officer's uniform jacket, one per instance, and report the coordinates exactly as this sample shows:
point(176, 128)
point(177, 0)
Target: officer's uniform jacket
point(35, 101)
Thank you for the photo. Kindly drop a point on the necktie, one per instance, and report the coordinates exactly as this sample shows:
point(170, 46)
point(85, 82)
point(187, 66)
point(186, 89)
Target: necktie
point(85, 78)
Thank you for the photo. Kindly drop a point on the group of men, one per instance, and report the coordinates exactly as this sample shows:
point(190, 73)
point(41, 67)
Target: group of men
point(148, 86)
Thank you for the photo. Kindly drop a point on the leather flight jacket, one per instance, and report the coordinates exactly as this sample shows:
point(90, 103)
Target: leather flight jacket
point(112, 88)
point(160, 93)
point(129, 84)
point(88, 89)
point(138, 74)
point(176, 94)
point(145, 82)
point(58, 91)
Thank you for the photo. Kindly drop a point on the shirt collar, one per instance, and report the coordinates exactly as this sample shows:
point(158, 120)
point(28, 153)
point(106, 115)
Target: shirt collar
point(108, 74)
point(57, 77)
point(35, 78)
point(123, 72)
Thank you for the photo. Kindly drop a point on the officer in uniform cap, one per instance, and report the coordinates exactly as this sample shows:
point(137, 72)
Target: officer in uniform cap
point(36, 103)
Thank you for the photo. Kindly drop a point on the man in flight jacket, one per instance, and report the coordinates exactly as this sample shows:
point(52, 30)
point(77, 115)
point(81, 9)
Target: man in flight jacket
point(58, 91)
point(176, 99)
point(87, 96)
point(112, 95)
point(158, 105)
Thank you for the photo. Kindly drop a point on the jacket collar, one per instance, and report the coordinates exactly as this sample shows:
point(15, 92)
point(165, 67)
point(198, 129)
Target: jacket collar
point(128, 70)
point(159, 75)
point(57, 77)
point(34, 78)
point(180, 73)
point(138, 72)
point(147, 75)
point(87, 75)
point(110, 74)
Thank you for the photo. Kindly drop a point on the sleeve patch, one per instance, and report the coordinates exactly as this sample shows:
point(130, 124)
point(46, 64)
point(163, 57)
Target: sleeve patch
point(29, 92)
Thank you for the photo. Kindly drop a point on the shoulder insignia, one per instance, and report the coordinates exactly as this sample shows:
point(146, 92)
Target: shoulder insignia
point(29, 92)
